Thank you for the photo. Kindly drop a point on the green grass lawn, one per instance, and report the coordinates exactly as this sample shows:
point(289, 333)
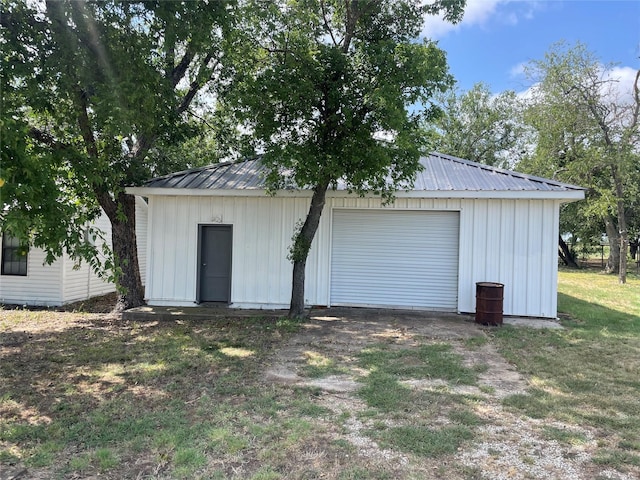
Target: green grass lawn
point(82, 395)
point(587, 375)
point(86, 395)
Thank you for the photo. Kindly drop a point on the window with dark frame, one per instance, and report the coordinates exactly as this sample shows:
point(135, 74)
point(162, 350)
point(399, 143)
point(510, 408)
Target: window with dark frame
point(14, 256)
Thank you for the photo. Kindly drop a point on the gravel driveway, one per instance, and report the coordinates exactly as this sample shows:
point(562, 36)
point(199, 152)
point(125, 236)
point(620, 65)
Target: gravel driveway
point(507, 445)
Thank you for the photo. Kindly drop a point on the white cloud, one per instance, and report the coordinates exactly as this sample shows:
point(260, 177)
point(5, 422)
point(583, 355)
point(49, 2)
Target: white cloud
point(512, 19)
point(475, 12)
point(517, 70)
point(621, 86)
point(479, 13)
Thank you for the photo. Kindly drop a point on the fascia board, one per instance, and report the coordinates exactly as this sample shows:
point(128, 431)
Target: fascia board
point(569, 195)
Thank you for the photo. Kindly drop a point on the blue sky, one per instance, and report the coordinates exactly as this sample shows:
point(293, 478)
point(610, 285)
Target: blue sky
point(497, 37)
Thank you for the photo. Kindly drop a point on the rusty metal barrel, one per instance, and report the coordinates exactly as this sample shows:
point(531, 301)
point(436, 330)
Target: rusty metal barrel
point(489, 299)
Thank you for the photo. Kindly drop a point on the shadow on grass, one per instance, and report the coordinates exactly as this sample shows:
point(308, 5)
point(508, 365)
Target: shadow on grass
point(597, 319)
point(100, 383)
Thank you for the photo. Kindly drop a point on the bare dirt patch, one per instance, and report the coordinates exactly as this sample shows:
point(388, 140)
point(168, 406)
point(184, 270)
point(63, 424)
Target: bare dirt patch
point(507, 446)
point(339, 334)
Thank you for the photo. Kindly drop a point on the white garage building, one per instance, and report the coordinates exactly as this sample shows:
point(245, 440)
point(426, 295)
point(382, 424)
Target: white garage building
point(215, 236)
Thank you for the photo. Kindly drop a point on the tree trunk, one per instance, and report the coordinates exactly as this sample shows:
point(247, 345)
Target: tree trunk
point(622, 227)
point(565, 254)
point(302, 245)
point(296, 307)
point(633, 247)
point(122, 214)
point(613, 262)
point(624, 243)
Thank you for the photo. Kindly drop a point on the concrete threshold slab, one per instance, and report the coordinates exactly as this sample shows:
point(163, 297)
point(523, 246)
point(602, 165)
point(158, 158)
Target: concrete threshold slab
point(217, 312)
point(153, 313)
point(532, 322)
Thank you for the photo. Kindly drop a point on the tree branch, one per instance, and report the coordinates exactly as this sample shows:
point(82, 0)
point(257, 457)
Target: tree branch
point(284, 51)
point(354, 10)
point(201, 118)
point(169, 43)
point(195, 86)
point(326, 24)
point(349, 24)
point(84, 122)
point(636, 98)
point(47, 139)
point(180, 69)
point(142, 145)
point(107, 203)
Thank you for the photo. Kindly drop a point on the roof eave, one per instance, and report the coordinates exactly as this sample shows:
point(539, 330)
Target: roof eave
point(570, 195)
point(567, 195)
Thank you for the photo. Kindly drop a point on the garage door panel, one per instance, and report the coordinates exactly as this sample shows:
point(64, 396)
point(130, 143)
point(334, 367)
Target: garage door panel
point(395, 258)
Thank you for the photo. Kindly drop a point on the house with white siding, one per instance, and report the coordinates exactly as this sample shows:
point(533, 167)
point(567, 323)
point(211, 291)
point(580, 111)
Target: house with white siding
point(215, 235)
point(26, 279)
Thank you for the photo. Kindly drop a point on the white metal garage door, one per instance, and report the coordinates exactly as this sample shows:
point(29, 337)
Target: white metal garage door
point(395, 258)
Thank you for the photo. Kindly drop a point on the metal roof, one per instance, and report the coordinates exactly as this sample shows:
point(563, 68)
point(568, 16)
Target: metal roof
point(447, 173)
point(243, 175)
point(440, 172)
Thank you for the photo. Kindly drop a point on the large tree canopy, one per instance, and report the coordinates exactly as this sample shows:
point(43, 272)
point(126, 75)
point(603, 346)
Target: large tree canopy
point(337, 89)
point(588, 134)
point(482, 127)
point(89, 91)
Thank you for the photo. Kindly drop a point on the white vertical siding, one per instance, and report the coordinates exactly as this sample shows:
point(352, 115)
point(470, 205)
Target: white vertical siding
point(512, 242)
point(501, 240)
point(262, 230)
point(141, 236)
point(41, 286)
